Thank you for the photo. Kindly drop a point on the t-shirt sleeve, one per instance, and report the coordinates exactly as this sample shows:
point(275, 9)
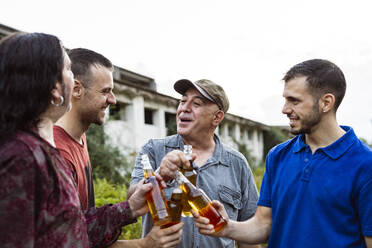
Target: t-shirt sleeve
point(17, 198)
point(365, 208)
point(265, 192)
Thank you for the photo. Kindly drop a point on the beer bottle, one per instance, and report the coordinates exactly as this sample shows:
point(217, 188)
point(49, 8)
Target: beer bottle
point(155, 198)
point(190, 174)
point(175, 204)
point(200, 202)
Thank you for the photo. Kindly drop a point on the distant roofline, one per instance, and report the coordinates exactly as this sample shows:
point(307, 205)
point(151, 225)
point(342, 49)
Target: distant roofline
point(136, 77)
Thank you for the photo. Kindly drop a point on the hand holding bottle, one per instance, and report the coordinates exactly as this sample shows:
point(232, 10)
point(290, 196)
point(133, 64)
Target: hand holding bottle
point(136, 196)
point(203, 223)
point(171, 163)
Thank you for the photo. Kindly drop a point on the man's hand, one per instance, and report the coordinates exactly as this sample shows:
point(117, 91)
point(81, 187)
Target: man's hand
point(137, 200)
point(203, 225)
point(136, 196)
point(173, 161)
point(163, 238)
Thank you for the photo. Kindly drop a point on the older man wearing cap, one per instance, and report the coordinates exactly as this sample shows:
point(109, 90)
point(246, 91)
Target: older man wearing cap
point(222, 172)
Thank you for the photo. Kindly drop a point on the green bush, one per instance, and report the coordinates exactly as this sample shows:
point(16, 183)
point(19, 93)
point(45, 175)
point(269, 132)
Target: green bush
point(106, 193)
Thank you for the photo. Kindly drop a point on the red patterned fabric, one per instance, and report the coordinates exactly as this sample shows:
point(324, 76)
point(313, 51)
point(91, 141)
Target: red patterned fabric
point(39, 205)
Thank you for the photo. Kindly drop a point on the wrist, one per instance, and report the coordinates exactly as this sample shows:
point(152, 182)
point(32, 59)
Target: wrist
point(132, 212)
point(141, 243)
point(229, 228)
point(144, 242)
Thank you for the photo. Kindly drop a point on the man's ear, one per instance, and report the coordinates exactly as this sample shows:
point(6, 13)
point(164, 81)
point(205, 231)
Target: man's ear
point(218, 117)
point(327, 102)
point(77, 90)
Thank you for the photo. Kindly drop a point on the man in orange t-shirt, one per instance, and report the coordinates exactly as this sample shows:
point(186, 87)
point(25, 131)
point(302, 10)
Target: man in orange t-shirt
point(77, 157)
point(91, 96)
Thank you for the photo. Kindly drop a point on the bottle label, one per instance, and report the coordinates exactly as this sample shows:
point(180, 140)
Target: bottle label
point(162, 213)
point(158, 201)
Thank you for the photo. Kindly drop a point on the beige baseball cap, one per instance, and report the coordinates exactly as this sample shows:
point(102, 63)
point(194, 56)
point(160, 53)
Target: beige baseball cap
point(213, 92)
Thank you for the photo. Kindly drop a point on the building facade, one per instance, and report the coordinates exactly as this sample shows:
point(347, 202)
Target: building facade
point(141, 113)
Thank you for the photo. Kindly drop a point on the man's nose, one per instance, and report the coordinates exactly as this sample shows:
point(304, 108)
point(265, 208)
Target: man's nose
point(286, 109)
point(111, 99)
point(185, 107)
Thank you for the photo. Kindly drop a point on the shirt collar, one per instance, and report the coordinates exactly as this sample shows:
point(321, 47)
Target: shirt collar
point(334, 150)
point(217, 156)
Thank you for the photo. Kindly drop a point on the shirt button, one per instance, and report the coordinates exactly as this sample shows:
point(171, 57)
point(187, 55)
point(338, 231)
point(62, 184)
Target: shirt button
point(306, 160)
point(307, 170)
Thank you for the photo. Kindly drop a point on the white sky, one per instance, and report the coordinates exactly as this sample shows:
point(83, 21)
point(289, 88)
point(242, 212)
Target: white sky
point(246, 46)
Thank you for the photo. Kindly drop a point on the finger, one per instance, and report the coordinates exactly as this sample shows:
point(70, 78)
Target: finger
point(174, 164)
point(204, 226)
point(217, 204)
point(201, 220)
point(160, 181)
point(206, 231)
point(177, 158)
point(195, 213)
point(184, 162)
point(144, 188)
point(173, 229)
point(171, 239)
point(174, 243)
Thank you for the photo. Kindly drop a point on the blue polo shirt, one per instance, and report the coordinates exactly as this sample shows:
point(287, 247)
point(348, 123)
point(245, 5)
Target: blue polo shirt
point(322, 199)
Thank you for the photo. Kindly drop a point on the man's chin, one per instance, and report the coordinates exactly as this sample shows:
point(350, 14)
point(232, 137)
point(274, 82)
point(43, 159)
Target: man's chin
point(295, 131)
point(99, 122)
point(182, 131)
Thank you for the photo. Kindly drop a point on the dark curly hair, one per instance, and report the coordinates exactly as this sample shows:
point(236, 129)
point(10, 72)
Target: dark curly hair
point(30, 66)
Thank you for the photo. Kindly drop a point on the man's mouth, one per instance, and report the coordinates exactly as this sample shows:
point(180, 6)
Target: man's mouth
point(292, 120)
point(185, 120)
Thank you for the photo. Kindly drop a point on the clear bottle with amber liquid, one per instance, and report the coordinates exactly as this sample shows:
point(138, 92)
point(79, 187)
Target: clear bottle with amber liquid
point(155, 198)
point(201, 203)
point(190, 174)
point(175, 204)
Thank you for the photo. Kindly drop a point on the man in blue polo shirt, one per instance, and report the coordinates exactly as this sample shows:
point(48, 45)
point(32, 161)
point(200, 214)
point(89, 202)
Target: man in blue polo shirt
point(317, 188)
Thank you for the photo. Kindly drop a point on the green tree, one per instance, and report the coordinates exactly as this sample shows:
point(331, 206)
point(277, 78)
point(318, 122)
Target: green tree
point(107, 161)
point(274, 136)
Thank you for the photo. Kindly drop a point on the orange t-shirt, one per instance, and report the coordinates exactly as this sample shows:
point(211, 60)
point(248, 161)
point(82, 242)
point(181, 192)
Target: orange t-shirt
point(77, 157)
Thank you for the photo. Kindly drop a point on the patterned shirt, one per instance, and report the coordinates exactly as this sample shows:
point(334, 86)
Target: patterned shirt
point(39, 204)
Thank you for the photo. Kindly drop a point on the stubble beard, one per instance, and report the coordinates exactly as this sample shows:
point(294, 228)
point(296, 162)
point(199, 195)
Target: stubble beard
point(309, 121)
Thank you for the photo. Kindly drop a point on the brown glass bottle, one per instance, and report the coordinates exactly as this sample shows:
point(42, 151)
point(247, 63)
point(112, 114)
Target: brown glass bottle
point(190, 174)
point(175, 207)
point(155, 198)
point(200, 202)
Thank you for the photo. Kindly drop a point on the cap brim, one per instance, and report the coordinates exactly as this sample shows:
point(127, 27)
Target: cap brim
point(182, 85)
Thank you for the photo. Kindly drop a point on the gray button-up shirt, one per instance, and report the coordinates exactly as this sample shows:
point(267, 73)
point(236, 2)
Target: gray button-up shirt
point(225, 176)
